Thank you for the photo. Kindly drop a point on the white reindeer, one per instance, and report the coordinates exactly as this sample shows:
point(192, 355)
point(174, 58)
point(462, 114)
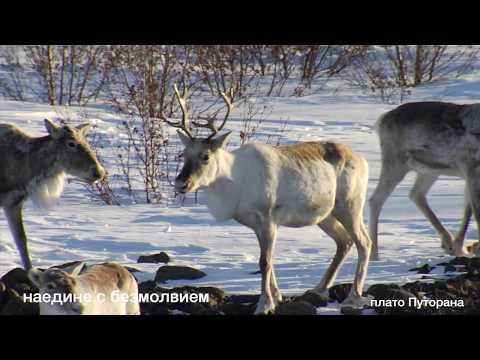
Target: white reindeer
point(432, 139)
point(111, 290)
point(35, 167)
point(263, 187)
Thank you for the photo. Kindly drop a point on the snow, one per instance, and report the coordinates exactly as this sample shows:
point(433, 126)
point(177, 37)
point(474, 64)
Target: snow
point(79, 229)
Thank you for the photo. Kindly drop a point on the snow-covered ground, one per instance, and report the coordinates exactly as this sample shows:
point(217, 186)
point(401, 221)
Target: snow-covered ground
point(78, 229)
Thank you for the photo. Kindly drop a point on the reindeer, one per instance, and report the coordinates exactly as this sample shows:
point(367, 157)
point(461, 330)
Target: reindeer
point(263, 187)
point(35, 167)
point(432, 139)
point(111, 290)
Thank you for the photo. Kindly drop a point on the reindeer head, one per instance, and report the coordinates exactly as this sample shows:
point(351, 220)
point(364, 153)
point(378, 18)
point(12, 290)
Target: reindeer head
point(201, 156)
point(76, 156)
point(55, 281)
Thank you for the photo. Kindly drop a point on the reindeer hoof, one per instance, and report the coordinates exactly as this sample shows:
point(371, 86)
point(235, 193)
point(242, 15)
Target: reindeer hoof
point(464, 252)
point(265, 306)
point(473, 249)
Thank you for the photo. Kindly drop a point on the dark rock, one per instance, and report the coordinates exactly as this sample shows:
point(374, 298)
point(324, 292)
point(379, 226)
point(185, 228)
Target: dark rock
point(168, 272)
point(161, 257)
point(339, 292)
point(459, 261)
point(313, 298)
point(147, 286)
point(450, 268)
point(382, 291)
point(14, 305)
point(17, 279)
point(233, 308)
point(348, 310)
point(215, 295)
point(14, 277)
point(243, 299)
point(395, 307)
point(296, 308)
point(425, 269)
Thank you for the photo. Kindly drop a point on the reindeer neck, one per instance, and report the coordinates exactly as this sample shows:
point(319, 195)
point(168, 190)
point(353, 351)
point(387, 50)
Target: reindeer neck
point(225, 160)
point(43, 158)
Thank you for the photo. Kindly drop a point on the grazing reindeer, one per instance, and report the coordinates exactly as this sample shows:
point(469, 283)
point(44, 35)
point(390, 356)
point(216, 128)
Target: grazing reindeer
point(432, 139)
point(111, 290)
point(262, 187)
point(35, 168)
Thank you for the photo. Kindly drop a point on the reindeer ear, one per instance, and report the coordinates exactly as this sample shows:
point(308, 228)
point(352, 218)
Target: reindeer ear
point(76, 269)
point(186, 141)
point(36, 277)
point(84, 128)
point(52, 129)
point(220, 141)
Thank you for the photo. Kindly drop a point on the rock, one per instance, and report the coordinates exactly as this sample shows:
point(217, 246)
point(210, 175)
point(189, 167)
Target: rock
point(243, 299)
point(147, 286)
point(425, 269)
point(313, 298)
point(296, 308)
point(459, 261)
point(168, 272)
point(232, 308)
point(382, 291)
point(161, 257)
point(14, 305)
point(348, 310)
point(339, 292)
point(15, 277)
point(450, 268)
point(215, 295)
point(18, 280)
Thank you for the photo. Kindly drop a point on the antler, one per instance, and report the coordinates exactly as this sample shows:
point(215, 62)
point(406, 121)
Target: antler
point(182, 101)
point(210, 121)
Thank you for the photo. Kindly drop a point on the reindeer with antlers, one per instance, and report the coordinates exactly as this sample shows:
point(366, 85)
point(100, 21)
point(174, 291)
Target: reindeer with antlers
point(263, 187)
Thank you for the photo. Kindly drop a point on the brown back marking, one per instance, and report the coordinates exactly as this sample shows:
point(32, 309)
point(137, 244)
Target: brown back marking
point(306, 152)
point(107, 273)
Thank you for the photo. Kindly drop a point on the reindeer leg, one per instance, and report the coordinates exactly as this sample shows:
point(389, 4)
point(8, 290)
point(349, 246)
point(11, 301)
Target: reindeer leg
point(275, 291)
point(391, 174)
point(351, 217)
point(458, 243)
point(473, 183)
point(423, 183)
point(266, 235)
point(15, 222)
point(333, 228)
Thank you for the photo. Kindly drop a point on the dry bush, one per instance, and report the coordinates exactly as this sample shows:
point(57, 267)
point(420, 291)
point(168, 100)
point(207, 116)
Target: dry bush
point(392, 70)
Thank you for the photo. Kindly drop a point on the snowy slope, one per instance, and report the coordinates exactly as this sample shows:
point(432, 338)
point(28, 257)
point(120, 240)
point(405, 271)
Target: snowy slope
point(228, 252)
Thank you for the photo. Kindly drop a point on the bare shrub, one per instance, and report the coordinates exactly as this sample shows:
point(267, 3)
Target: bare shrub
point(56, 74)
point(391, 70)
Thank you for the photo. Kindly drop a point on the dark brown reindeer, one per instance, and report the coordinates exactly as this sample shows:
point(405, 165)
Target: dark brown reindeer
point(432, 139)
point(35, 167)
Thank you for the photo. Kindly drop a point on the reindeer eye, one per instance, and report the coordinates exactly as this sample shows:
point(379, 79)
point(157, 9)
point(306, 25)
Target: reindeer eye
point(50, 287)
point(72, 144)
point(206, 157)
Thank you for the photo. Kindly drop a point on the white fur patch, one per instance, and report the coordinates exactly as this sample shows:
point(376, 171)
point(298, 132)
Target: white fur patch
point(46, 192)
